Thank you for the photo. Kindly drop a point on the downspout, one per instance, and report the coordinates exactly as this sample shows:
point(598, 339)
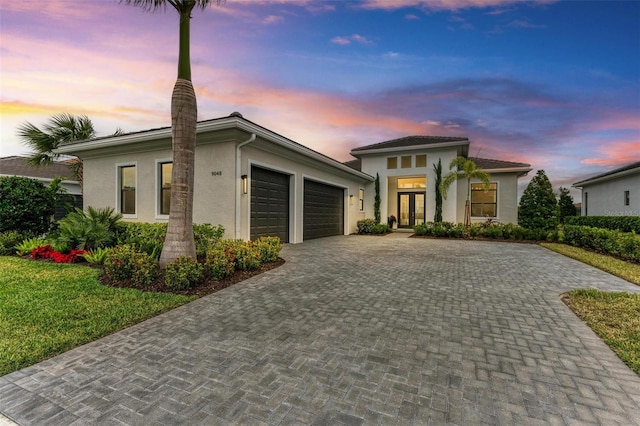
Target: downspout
point(238, 183)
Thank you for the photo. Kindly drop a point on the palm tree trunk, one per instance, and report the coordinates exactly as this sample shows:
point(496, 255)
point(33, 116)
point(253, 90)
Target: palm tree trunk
point(184, 113)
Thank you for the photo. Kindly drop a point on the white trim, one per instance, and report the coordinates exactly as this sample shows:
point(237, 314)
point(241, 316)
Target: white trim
point(119, 192)
point(158, 187)
point(597, 179)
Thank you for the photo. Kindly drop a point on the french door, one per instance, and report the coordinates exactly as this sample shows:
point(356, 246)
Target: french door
point(411, 209)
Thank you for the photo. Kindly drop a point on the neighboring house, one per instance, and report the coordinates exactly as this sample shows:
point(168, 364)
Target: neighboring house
point(614, 193)
point(17, 166)
point(256, 182)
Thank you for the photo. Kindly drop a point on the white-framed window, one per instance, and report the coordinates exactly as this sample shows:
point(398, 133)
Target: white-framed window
point(405, 161)
point(412, 183)
point(392, 162)
point(127, 178)
point(484, 203)
point(165, 168)
point(421, 160)
point(627, 198)
point(361, 199)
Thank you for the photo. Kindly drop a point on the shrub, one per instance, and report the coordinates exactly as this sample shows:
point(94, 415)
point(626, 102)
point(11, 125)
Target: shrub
point(47, 252)
point(28, 245)
point(97, 256)
point(10, 241)
point(620, 223)
point(123, 263)
point(26, 205)
point(538, 207)
point(624, 245)
point(269, 248)
point(183, 273)
point(370, 226)
point(88, 229)
point(206, 236)
point(247, 256)
point(218, 264)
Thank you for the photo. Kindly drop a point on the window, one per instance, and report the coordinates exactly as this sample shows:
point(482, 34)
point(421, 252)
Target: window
point(128, 189)
point(484, 203)
point(361, 200)
point(421, 160)
point(626, 198)
point(412, 183)
point(392, 162)
point(165, 187)
point(586, 203)
point(405, 162)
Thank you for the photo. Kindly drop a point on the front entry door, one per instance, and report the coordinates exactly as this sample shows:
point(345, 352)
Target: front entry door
point(411, 209)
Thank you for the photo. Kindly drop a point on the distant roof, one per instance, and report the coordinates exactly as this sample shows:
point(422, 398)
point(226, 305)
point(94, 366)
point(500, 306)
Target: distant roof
point(627, 169)
point(17, 166)
point(410, 141)
point(354, 164)
point(489, 164)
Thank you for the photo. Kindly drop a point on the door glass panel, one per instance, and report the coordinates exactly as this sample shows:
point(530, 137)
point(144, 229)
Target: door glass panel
point(403, 220)
point(419, 209)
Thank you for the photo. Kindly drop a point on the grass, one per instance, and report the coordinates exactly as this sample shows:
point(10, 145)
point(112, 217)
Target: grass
point(620, 268)
point(615, 317)
point(47, 309)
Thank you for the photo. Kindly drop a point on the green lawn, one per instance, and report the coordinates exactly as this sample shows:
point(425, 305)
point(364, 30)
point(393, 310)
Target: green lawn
point(47, 308)
point(615, 317)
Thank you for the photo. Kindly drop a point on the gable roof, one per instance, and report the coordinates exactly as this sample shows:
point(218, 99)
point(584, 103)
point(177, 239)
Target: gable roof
point(413, 142)
point(627, 169)
point(17, 166)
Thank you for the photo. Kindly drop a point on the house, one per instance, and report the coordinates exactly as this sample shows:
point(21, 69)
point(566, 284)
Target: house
point(256, 182)
point(18, 166)
point(614, 193)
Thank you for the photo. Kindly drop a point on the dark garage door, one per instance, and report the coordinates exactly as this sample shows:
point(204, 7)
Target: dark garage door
point(323, 210)
point(269, 204)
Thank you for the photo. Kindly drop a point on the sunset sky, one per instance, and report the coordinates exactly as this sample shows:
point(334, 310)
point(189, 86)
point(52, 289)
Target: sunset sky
point(552, 83)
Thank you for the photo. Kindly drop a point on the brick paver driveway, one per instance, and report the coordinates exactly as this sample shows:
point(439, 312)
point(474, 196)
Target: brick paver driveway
point(354, 330)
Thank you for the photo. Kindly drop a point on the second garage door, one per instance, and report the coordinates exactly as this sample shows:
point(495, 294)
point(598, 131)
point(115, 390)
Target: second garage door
point(323, 210)
point(269, 204)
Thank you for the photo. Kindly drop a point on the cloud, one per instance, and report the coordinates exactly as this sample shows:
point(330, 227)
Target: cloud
point(616, 153)
point(354, 38)
point(411, 17)
point(519, 23)
point(442, 5)
point(273, 19)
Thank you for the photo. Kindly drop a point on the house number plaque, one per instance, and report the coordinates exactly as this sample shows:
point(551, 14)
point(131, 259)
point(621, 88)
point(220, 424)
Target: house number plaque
point(216, 173)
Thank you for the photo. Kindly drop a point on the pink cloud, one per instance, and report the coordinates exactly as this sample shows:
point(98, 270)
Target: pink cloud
point(273, 19)
point(357, 38)
point(616, 153)
point(438, 5)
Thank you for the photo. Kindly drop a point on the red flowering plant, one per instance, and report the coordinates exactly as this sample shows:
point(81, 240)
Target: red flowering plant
point(47, 252)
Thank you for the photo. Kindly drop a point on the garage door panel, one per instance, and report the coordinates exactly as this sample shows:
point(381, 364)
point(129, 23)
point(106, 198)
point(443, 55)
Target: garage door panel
point(323, 210)
point(269, 204)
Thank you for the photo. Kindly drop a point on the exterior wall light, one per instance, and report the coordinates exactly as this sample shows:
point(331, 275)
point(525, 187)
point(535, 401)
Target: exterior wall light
point(245, 184)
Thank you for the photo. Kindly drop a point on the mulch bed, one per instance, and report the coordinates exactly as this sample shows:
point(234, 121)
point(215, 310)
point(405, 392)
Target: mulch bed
point(202, 289)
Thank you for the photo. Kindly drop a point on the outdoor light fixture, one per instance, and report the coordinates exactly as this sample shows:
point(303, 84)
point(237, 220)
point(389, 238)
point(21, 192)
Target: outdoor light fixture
point(350, 199)
point(245, 184)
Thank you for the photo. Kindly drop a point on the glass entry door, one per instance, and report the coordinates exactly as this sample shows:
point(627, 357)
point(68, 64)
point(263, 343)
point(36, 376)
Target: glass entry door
point(411, 209)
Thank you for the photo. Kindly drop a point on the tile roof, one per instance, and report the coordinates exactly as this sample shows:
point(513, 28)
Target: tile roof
point(489, 164)
point(354, 164)
point(17, 166)
point(409, 141)
point(631, 166)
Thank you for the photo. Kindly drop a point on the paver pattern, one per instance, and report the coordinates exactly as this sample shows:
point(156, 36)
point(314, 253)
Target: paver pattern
point(354, 331)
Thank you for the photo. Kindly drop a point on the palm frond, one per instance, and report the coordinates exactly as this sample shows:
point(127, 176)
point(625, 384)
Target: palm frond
point(182, 6)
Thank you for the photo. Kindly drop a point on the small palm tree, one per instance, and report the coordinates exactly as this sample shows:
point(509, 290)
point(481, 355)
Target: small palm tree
point(60, 128)
point(464, 169)
point(184, 115)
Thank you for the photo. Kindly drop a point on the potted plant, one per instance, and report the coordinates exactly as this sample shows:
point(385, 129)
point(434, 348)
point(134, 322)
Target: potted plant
point(391, 221)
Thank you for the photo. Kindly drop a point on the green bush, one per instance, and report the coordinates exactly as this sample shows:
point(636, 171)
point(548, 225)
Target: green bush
point(183, 273)
point(28, 245)
point(269, 248)
point(97, 256)
point(538, 208)
point(370, 226)
point(26, 205)
point(206, 236)
point(625, 245)
point(507, 231)
point(123, 263)
point(87, 229)
point(218, 264)
point(11, 240)
point(619, 223)
point(247, 256)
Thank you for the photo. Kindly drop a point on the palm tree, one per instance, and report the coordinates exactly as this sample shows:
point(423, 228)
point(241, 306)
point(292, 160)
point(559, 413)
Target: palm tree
point(184, 114)
point(464, 169)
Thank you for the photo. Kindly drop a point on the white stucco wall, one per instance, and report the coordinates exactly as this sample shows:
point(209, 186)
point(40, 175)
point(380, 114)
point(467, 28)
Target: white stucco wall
point(606, 198)
point(507, 197)
point(377, 163)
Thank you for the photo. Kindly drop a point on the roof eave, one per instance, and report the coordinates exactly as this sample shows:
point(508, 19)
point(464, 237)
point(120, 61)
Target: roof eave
point(598, 179)
point(356, 153)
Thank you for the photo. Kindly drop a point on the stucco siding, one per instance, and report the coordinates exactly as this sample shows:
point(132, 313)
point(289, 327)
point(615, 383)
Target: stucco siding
point(606, 198)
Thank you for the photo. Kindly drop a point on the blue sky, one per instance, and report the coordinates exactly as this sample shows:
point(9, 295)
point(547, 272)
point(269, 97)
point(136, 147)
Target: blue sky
point(552, 83)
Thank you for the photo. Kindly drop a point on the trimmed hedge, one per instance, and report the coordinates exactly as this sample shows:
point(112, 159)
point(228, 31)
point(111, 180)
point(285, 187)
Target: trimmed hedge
point(620, 223)
point(497, 231)
point(625, 245)
point(370, 226)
